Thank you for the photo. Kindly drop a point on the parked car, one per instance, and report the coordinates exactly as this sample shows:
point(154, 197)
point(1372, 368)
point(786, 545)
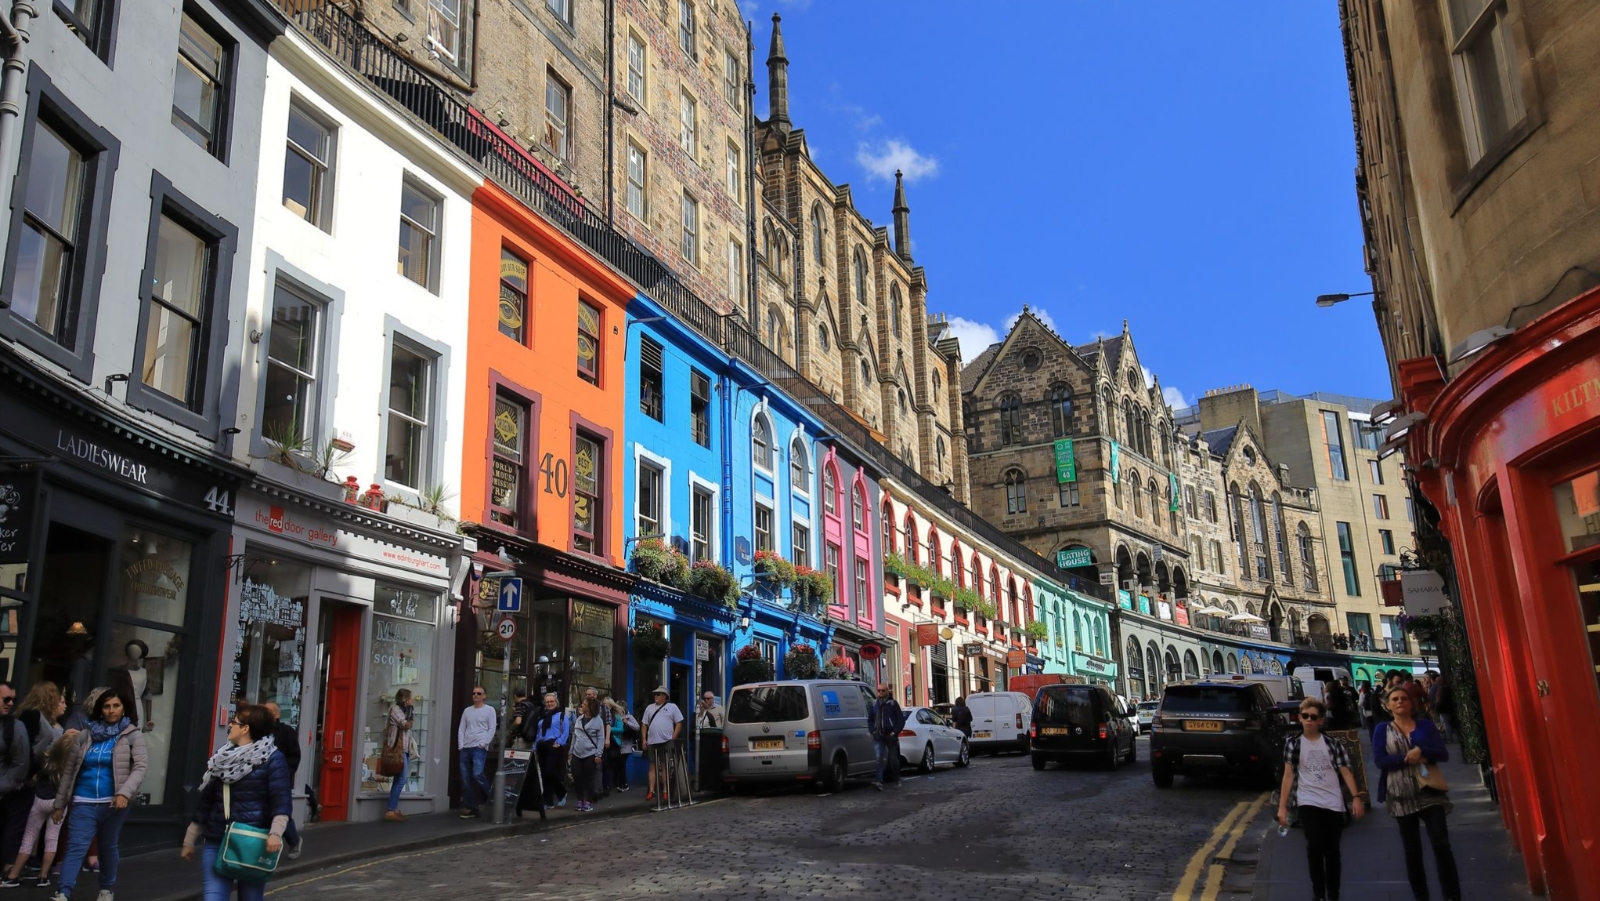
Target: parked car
point(1223, 727)
point(1147, 714)
point(798, 731)
point(1081, 721)
point(1000, 721)
point(929, 739)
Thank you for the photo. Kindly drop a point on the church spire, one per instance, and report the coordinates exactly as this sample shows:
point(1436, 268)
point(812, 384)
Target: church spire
point(778, 79)
point(902, 219)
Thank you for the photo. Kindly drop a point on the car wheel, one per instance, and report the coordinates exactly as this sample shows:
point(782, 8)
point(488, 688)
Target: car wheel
point(1133, 749)
point(965, 756)
point(1113, 756)
point(1161, 773)
point(1038, 761)
point(926, 765)
point(837, 773)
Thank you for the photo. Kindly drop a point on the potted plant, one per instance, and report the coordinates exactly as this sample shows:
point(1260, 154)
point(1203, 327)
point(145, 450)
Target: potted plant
point(942, 588)
point(839, 667)
point(966, 600)
point(1037, 631)
point(983, 607)
point(801, 662)
point(657, 561)
point(813, 587)
point(777, 570)
point(894, 567)
point(649, 642)
point(750, 666)
point(713, 582)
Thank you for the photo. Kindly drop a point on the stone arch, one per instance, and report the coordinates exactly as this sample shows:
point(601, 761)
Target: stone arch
point(1216, 662)
point(1163, 579)
point(1142, 563)
point(1125, 570)
point(1275, 621)
point(1191, 665)
point(1180, 582)
point(1135, 664)
point(1320, 632)
point(1153, 670)
point(1233, 662)
point(1174, 666)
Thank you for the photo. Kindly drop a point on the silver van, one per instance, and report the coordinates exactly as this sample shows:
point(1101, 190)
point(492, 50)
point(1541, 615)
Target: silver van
point(798, 731)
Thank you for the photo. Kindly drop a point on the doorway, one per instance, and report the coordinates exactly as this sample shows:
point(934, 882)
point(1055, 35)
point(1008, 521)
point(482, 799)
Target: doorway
point(338, 659)
point(72, 589)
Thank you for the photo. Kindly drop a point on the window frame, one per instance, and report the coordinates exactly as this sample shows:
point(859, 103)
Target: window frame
point(641, 187)
point(698, 489)
point(733, 172)
point(222, 126)
point(688, 30)
point(597, 337)
point(526, 513)
point(1492, 23)
point(434, 237)
point(1338, 461)
point(455, 54)
point(524, 293)
point(730, 80)
point(735, 270)
point(761, 539)
point(1375, 472)
point(221, 238)
point(102, 38)
point(1347, 558)
point(565, 14)
point(646, 463)
point(1016, 492)
point(762, 461)
point(642, 73)
point(583, 430)
point(1380, 507)
point(436, 427)
point(699, 409)
point(558, 125)
point(279, 273)
point(689, 241)
point(1386, 541)
point(688, 123)
point(653, 405)
point(320, 214)
point(101, 152)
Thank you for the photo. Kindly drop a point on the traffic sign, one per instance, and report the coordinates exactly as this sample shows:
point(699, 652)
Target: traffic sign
point(507, 629)
point(510, 595)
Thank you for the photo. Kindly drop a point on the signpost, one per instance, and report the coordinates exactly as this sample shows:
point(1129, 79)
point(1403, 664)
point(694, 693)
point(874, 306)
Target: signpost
point(1066, 463)
point(510, 596)
point(1423, 591)
point(507, 630)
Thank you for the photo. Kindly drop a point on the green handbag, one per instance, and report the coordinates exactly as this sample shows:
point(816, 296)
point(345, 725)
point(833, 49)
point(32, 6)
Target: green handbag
point(243, 856)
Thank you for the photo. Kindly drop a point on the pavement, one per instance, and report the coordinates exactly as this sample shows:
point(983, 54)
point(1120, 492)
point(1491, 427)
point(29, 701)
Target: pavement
point(1374, 867)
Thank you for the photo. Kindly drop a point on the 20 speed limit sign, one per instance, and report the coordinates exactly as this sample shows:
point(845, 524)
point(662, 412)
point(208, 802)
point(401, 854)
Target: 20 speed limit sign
point(507, 629)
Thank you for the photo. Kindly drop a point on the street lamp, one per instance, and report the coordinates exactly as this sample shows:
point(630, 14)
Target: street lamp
point(1328, 300)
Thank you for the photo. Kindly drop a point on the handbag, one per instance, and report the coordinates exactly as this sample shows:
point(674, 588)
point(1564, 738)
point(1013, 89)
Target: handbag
point(392, 762)
point(1431, 777)
point(243, 856)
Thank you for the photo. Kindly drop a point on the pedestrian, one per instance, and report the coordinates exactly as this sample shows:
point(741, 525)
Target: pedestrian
point(1314, 767)
point(474, 735)
point(1342, 713)
point(16, 762)
point(38, 714)
point(521, 711)
point(1403, 749)
point(961, 715)
point(708, 714)
point(622, 744)
point(397, 731)
point(588, 746)
point(1419, 696)
point(44, 797)
point(885, 720)
point(550, 743)
point(663, 727)
point(100, 779)
point(593, 694)
point(1444, 709)
point(247, 781)
point(1369, 706)
point(287, 740)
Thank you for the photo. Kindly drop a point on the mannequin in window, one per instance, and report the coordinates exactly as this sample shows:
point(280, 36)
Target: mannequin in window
point(134, 676)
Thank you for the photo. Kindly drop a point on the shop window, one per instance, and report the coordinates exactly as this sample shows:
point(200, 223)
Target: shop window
point(588, 480)
point(513, 296)
point(403, 622)
point(200, 89)
point(272, 631)
point(593, 648)
point(588, 342)
point(154, 575)
point(509, 462)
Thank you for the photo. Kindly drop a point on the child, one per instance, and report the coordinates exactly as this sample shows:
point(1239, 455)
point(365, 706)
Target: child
point(44, 797)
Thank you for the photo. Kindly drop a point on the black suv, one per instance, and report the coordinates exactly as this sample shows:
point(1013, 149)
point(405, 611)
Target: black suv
point(1080, 721)
point(1227, 728)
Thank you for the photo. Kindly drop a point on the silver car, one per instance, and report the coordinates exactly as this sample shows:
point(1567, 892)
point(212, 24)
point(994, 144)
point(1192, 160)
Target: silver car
point(800, 731)
point(929, 739)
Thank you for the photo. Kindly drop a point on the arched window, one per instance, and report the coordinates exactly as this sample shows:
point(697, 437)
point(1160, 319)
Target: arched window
point(1077, 632)
point(798, 459)
point(1155, 500)
point(1138, 496)
point(1199, 552)
point(822, 336)
point(957, 571)
point(894, 309)
point(1283, 538)
point(830, 489)
point(1238, 526)
point(1110, 425)
point(1308, 566)
point(977, 574)
point(1010, 419)
point(859, 271)
point(1016, 492)
point(1217, 562)
point(901, 394)
point(761, 442)
point(936, 386)
point(775, 327)
point(938, 450)
point(1211, 506)
point(816, 233)
point(866, 375)
point(1258, 534)
point(935, 558)
point(994, 585)
point(911, 538)
point(1011, 602)
point(1061, 411)
point(888, 527)
point(858, 508)
point(1188, 501)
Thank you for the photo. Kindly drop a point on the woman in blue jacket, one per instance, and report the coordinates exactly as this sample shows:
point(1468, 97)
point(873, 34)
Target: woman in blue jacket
point(257, 778)
point(1401, 748)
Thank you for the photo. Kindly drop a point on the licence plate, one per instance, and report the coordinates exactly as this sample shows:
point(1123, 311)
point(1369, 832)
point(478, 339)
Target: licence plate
point(983, 735)
point(767, 744)
point(1053, 730)
point(1202, 726)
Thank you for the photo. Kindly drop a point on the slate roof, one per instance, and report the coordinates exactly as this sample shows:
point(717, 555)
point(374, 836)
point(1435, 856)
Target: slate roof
point(1219, 440)
point(972, 372)
point(1113, 351)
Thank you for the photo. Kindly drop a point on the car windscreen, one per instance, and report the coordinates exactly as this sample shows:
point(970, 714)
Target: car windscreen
point(1076, 707)
point(1149, 705)
point(768, 704)
point(1181, 699)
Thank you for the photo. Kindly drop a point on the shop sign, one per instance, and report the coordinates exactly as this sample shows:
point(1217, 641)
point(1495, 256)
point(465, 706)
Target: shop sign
point(104, 459)
point(277, 521)
point(1260, 631)
point(1089, 664)
point(1066, 464)
point(702, 649)
point(972, 649)
point(1124, 599)
point(1144, 604)
point(1181, 611)
point(19, 494)
point(1016, 659)
point(1165, 609)
point(1072, 557)
point(1424, 592)
point(392, 555)
point(927, 634)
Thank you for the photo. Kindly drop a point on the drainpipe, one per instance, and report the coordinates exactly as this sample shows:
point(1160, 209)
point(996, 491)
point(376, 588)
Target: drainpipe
point(750, 157)
point(14, 33)
point(609, 169)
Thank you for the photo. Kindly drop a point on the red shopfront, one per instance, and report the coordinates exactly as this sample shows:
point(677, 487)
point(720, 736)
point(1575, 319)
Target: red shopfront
point(1509, 453)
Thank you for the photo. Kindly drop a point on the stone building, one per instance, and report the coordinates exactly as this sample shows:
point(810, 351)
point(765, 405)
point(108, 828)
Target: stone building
point(1476, 130)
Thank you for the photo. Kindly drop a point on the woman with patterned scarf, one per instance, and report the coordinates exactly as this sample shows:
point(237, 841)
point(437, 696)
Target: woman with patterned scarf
point(100, 779)
point(259, 794)
point(1402, 748)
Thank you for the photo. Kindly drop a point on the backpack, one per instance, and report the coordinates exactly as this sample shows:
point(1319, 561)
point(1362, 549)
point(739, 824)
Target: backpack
point(530, 724)
point(32, 725)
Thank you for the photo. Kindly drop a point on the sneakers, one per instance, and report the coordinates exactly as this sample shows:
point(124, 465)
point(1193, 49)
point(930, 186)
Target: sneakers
point(105, 895)
point(469, 814)
point(58, 897)
point(41, 882)
point(393, 816)
point(878, 786)
point(296, 848)
point(562, 802)
point(10, 883)
point(581, 808)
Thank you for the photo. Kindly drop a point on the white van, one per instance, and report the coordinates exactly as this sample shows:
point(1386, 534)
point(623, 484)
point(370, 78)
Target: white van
point(1000, 721)
point(1314, 676)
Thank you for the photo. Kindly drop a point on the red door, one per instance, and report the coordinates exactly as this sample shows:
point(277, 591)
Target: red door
point(342, 653)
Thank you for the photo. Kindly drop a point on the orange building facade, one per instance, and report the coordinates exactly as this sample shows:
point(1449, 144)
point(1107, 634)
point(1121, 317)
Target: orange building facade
point(543, 496)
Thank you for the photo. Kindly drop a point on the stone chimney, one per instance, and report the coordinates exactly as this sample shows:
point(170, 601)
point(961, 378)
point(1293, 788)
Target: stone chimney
point(1223, 408)
point(902, 219)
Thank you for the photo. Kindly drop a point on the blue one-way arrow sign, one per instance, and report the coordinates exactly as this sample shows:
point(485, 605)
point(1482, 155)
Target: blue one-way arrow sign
point(510, 595)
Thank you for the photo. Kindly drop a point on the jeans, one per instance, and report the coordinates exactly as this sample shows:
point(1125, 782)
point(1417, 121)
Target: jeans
point(1324, 828)
point(474, 785)
point(585, 771)
point(396, 785)
point(1443, 857)
point(85, 823)
point(888, 759)
point(218, 888)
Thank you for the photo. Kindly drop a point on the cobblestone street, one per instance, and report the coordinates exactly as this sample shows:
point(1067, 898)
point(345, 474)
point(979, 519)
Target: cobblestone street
point(996, 830)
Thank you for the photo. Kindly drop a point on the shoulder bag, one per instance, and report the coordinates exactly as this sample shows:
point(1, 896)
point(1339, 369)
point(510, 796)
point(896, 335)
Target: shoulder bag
point(243, 856)
point(393, 760)
point(1428, 776)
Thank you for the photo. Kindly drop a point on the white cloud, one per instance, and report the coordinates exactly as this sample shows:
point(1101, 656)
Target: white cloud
point(1175, 398)
point(864, 120)
point(1039, 313)
point(1149, 377)
point(882, 160)
point(974, 336)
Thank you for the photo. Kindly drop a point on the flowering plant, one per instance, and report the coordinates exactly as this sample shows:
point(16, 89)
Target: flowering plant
point(713, 582)
point(750, 666)
point(649, 641)
point(779, 571)
point(813, 585)
point(658, 562)
point(750, 651)
point(801, 662)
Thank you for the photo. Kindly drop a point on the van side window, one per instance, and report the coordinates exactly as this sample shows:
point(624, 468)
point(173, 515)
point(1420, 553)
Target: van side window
point(867, 697)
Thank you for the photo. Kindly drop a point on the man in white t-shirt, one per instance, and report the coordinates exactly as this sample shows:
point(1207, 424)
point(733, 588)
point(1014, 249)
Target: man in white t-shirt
point(662, 727)
point(1313, 767)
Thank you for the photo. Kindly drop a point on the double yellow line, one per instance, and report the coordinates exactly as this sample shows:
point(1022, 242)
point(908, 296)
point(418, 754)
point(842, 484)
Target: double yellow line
point(1223, 838)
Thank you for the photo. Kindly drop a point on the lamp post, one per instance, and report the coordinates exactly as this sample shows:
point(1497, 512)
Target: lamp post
point(1328, 300)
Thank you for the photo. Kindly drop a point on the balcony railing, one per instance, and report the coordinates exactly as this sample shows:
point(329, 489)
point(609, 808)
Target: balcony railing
point(512, 167)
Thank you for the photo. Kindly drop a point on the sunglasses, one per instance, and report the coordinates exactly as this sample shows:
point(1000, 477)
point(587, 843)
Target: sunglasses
point(477, 694)
point(11, 700)
point(1311, 716)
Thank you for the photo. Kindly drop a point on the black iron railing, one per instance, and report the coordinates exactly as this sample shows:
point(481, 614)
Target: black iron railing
point(512, 167)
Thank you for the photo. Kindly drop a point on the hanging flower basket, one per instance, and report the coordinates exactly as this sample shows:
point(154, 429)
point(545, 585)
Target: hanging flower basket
point(650, 642)
point(750, 666)
point(813, 588)
point(658, 562)
point(840, 667)
point(775, 570)
point(714, 583)
point(1426, 628)
point(801, 662)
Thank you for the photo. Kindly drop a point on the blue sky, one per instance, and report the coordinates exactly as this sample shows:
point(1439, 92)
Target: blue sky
point(1187, 168)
